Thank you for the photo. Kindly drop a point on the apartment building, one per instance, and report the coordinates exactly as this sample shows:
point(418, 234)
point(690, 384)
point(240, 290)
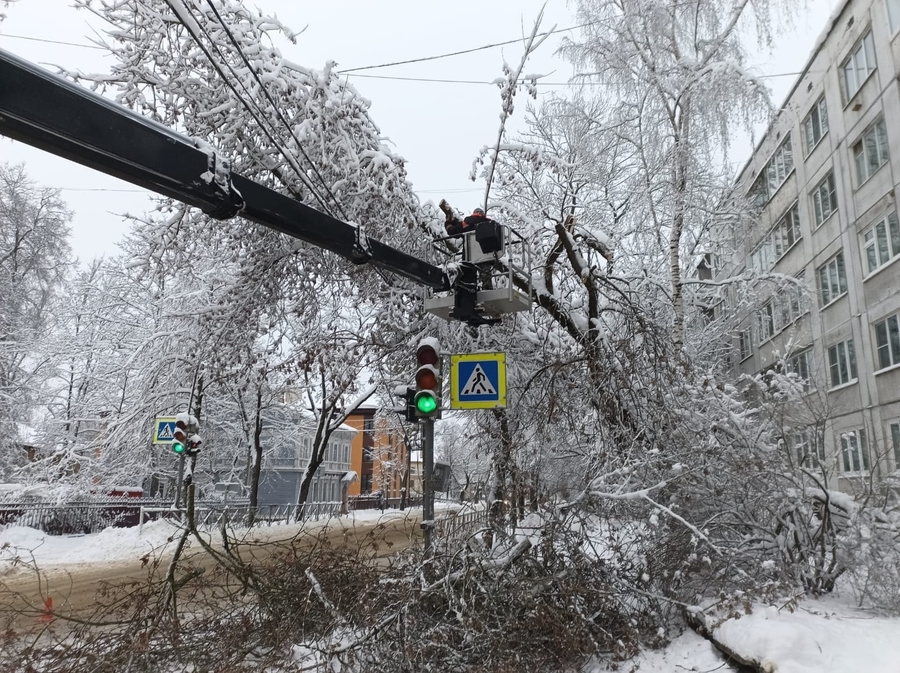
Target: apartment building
point(826, 176)
point(378, 453)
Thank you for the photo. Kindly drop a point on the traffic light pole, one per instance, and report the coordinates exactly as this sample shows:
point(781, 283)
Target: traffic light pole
point(427, 486)
point(180, 483)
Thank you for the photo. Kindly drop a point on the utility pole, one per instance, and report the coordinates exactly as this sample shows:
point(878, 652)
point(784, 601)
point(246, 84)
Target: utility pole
point(427, 485)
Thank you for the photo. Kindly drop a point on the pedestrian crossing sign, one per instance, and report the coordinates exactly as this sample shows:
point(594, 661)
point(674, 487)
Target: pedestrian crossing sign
point(478, 381)
point(164, 430)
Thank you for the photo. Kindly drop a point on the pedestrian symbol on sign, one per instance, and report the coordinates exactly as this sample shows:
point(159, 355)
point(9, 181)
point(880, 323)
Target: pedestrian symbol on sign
point(477, 380)
point(164, 430)
point(478, 383)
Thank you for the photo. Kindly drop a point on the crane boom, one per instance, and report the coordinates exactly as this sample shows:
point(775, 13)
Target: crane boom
point(48, 112)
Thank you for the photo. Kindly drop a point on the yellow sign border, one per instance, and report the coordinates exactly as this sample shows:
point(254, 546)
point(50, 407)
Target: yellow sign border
point(156, 422)
point(499, 358)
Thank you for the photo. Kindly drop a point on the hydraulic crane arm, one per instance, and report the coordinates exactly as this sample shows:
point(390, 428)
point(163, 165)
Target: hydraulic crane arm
point(55, 115)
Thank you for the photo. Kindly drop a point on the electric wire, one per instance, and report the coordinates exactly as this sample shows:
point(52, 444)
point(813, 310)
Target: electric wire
point(277, 110)
point(42, 39)
point(259, 118)
point(460, 53)
point(353, 72)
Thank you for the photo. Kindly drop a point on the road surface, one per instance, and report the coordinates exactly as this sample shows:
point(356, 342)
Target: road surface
point(73, 588)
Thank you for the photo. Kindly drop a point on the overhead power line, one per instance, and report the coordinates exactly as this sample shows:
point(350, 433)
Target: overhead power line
point(249, 105)
point(459, 53)
point(542, 83)
point(41, 39)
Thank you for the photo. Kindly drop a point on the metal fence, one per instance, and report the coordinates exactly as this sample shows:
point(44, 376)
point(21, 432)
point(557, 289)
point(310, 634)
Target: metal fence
point(76, 518)
point(91, 517)
point(461, 525)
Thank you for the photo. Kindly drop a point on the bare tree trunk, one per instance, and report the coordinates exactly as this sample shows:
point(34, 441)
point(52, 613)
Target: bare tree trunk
point(682, 150)
point(257, 456)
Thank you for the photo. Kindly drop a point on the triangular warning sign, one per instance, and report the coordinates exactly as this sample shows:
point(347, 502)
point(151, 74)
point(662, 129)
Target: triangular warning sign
point(165, 431)
point(478, 383)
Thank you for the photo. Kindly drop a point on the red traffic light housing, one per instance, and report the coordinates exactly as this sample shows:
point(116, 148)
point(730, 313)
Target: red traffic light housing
point(427, 401)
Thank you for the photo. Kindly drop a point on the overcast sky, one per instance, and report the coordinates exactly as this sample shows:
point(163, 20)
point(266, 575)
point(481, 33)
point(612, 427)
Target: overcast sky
point(437, 126)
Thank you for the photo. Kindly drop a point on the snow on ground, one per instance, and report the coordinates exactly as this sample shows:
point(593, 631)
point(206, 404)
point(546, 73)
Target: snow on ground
point(688, 652)
point(114, 545)
point(828, 635)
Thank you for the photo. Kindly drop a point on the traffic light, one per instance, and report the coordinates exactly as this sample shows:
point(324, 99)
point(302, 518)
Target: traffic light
point(185, 439)
point(193, 445)
point(179, 444)
point(427, 400)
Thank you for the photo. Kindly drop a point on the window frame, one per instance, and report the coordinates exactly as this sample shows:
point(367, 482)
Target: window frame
point(893, 436)
point(861, 46)
point(893, 354)
point(859, 151)
point(791, 366)
point(766, 254)
point(893, 19)
point(808, 447)
point(818, 208)
point(890, 225)
point(844, 364)
point(862, 451)
point(763, 183)
point(840, 266)
point(819, 111)
point(745, 338)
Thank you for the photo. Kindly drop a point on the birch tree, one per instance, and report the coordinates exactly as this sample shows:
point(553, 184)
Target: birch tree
point(676, 70)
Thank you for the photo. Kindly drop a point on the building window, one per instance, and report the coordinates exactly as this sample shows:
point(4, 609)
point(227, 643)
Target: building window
point(365, 484)
point(859, 65)
point(824, 199)
point(842, 363)
point(887, 341)
point(745, 341)
point(854, 451)
point(815, 126)
point(895, 443)
point(893, 12)
point(809, 450)
point(775, 173)
point(766, 321)
point(871, 151)
point(798, 365)
point(882, 243)
point(778, 241)
point(780, 166)
point(832, 279)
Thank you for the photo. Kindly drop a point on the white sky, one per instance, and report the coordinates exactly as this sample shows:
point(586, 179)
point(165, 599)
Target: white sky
point(437, 126)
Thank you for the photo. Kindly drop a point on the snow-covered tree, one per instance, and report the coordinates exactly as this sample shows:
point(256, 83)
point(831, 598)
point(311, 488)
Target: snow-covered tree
point(34, 260)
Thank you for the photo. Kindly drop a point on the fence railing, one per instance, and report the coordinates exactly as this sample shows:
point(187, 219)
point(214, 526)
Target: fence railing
point(461, 525)
point(92, 517)
point(75, 517)
point(214, 516)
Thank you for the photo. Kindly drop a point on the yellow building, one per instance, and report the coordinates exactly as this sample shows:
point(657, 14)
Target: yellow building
point(378, 453)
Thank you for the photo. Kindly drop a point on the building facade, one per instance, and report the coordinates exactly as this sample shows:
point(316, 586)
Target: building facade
point(379, 453)
point(287, 438)
point(826, 177)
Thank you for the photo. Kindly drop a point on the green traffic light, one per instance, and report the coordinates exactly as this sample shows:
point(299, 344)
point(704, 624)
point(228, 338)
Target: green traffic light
point(425, 402)
point(177, 447)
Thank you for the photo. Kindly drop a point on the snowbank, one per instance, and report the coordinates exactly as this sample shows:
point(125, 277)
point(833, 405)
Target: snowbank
point(115, 545)
point(822, 636)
